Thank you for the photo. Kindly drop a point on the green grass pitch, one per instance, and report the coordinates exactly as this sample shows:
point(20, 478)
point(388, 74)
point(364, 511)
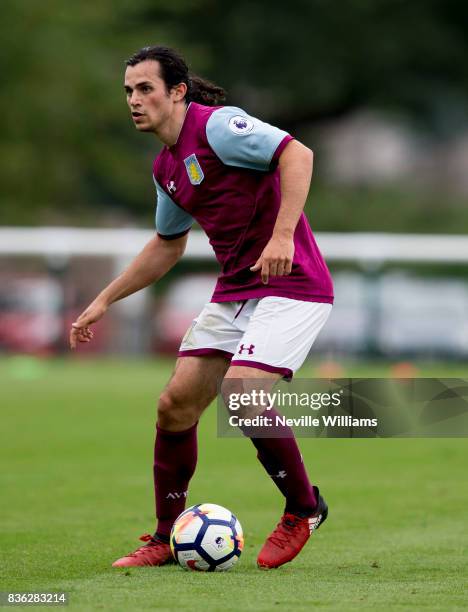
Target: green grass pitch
point(77, 440)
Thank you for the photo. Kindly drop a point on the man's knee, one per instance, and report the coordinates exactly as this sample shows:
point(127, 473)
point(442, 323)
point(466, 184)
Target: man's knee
point(177, 411)
point(231, 388)
point(171, 409)
point(247, 396)
point(238, 398)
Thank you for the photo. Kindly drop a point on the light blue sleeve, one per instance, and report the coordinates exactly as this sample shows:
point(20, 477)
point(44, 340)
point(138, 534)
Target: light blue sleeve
point(241, 140)
point(171, 221)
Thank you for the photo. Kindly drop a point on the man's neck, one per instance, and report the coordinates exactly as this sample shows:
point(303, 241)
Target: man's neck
point(169, 132)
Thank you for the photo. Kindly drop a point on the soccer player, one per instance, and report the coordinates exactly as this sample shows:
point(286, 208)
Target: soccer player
point(245, 182)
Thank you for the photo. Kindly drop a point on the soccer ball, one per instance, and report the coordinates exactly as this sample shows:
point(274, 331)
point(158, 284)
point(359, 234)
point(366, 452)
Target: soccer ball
point(207, 537)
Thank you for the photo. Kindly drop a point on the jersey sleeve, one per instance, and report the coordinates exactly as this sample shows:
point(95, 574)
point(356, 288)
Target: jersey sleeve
point(171, 221)
point(244, 141)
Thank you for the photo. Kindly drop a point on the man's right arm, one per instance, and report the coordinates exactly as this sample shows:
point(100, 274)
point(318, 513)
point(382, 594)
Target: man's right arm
point(154, 261)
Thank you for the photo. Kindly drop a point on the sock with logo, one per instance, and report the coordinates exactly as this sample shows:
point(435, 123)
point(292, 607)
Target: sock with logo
point(175, 459)
point(281, 458)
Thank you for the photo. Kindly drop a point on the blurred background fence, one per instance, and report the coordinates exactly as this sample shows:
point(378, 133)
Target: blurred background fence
point(396, 294)
point(378, 89)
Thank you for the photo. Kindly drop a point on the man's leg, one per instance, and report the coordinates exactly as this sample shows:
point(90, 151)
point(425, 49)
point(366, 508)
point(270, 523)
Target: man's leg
point(191, 389)
point(305, 509)
point(280, 456)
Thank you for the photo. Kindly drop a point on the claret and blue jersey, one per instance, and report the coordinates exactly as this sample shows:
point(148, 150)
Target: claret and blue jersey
point(223, 173)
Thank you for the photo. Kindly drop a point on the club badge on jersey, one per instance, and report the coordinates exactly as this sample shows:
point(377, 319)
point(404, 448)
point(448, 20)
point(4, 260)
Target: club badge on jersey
point(194, 171)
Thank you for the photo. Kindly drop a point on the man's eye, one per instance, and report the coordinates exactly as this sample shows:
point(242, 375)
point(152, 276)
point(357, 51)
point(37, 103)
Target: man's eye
point(146, 89)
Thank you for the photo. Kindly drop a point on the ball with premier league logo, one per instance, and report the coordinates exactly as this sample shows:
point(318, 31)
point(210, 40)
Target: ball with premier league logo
point(207, 538)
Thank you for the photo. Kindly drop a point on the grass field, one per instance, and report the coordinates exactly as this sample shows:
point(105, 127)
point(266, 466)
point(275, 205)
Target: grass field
point(77, 440)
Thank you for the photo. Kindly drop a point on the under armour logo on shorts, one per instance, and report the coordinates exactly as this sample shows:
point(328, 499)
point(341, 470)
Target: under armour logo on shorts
point(249, 349)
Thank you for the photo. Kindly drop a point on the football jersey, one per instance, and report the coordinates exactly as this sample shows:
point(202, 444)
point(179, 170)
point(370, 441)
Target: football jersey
point(223, 173)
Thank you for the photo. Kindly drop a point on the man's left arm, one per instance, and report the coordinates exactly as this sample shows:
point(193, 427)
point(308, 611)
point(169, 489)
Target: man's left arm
point(295, 165)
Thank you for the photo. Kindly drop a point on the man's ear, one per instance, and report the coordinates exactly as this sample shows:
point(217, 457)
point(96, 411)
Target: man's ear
point(179, 92)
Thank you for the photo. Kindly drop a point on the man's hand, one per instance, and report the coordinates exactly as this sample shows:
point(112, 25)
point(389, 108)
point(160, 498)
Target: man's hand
point(80, 331)
point(295, 165)
point(276, 258)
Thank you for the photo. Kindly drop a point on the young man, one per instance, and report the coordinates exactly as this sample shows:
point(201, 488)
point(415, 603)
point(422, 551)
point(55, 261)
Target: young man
point(245, 182)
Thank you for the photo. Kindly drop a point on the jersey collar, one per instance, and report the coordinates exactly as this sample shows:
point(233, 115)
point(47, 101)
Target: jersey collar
point(182, 128)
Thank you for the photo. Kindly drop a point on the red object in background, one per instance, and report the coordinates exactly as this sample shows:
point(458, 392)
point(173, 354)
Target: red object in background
point(28, 332)
point(33, 319)
point(404, 369)
point(30, 319)
point(330, 369)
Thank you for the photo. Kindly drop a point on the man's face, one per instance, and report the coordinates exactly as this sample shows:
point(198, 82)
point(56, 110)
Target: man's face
point(149, 102)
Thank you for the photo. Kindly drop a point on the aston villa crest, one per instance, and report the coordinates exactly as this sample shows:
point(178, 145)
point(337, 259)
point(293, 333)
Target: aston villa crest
point(194, 171)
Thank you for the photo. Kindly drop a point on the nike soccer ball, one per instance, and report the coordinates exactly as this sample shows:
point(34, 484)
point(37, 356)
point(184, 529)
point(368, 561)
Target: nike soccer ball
point(207, 537)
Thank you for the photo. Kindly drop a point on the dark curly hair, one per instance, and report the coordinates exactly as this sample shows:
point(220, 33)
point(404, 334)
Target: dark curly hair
point(174, 70)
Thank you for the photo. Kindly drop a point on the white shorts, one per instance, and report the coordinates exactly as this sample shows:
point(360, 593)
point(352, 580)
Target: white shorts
point(274, 334)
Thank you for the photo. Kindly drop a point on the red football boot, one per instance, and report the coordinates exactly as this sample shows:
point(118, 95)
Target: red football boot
point(154, 552)
point(289, 537)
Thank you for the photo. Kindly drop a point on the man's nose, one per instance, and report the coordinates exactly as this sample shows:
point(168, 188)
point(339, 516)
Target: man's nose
point(134, 99)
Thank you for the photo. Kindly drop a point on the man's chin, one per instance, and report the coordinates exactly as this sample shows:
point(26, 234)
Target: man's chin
point(143, 128)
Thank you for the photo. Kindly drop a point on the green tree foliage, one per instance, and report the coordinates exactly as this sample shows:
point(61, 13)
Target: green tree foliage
point(68, 147)
point(69, 151)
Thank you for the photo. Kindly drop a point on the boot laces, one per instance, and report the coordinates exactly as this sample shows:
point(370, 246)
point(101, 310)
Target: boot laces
point(151, 543)
point(286, 528)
